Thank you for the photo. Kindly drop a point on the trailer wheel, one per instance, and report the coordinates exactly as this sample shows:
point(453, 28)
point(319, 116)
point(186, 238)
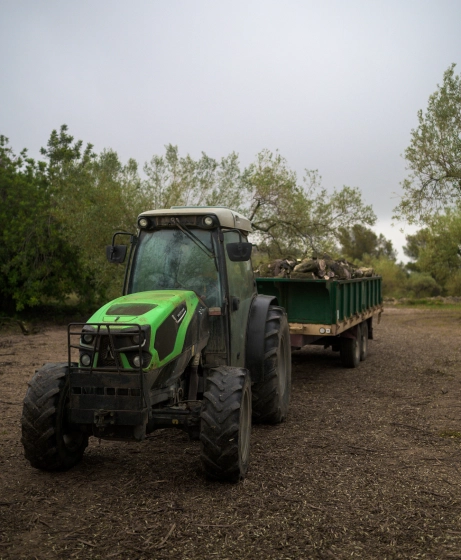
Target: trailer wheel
point(271, 396)
point(350, 350)
point(363, 340)
point(50, 443)
point(225, 426)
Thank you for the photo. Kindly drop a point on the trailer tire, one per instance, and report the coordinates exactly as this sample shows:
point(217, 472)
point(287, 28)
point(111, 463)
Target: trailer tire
point(363, 340)
point(350, 350)
point(50, 443)
point(225, 426)
point(271, 396)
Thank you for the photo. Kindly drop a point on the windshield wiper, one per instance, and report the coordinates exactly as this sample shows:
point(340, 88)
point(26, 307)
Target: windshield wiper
point(210, 254)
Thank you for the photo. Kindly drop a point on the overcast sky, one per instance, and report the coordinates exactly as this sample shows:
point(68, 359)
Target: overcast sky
point(334, 85)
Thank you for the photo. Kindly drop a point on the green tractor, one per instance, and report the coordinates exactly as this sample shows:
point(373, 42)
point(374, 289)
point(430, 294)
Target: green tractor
point(190, 345)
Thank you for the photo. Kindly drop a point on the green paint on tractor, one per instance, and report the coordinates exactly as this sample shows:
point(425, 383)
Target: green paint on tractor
point(167, 310)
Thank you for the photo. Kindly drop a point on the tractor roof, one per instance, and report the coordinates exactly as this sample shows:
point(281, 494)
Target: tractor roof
point(227, 217)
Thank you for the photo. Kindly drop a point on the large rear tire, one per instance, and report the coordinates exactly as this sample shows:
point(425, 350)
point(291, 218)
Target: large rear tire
point(350, 349)
point(226, 424)
point(271, 396)
point(50, 442)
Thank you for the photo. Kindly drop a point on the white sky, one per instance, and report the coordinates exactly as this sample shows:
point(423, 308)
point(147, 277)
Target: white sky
point(334, 85)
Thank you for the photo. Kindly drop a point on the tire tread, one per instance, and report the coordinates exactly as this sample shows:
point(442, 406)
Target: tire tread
point(220, 417)
point(39, 421)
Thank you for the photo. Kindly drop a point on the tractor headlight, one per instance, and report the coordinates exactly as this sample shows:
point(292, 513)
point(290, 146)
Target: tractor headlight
point(137, 339)
point(143, 222)
point(208, 222)
point(87, 338)
point(85, 360)
point(140, 361)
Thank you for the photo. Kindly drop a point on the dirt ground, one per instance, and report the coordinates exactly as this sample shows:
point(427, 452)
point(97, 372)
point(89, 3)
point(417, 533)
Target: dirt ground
point(366, 466)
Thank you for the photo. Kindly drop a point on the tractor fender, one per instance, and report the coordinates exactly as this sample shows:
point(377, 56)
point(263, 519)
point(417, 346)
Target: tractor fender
point(254, 353)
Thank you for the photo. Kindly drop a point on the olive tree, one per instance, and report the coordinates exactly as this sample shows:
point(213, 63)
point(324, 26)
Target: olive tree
point(434, 155)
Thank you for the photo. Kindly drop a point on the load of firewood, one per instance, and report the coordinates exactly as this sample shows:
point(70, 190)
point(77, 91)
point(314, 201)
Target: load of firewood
point(324, 267)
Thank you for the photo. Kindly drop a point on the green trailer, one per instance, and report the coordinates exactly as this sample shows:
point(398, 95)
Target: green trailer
point(332, 313)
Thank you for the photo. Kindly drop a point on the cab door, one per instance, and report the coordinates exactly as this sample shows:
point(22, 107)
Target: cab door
point(242, 289)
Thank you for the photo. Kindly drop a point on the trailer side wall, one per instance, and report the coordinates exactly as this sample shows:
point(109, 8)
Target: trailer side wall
point(325, 302)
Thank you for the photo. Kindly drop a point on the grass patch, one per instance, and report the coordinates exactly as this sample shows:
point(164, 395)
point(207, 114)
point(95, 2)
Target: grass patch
point(452, 434)
point(429, 303)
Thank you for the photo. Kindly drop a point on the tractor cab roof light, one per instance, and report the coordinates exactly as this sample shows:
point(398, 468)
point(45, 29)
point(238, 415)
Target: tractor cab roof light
point(143, 223)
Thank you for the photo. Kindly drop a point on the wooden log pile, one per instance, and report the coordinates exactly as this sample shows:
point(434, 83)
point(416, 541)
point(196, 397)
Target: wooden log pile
point(324, 267)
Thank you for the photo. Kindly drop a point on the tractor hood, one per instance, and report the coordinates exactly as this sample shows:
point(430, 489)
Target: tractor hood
point(172, 318)
point(143, 308)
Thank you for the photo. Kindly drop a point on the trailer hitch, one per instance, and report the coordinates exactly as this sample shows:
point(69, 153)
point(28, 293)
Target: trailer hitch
point(103, 418)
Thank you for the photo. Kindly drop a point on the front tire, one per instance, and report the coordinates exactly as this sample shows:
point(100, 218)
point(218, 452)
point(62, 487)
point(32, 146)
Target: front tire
point(50, 442)
point(271, 396)
point(226, 424)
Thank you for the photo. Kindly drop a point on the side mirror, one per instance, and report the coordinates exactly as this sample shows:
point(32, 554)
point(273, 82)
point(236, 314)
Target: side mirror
point(239, 252)
point(116, 253)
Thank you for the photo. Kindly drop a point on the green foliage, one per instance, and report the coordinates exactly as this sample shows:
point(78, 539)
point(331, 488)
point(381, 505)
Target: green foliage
point(57, 215)
point(453, 284)
point(435, 251)
point(439, 257)
point(421, 285)
point(96, 196)
point(358, 241)
point(35, 258)
point(434, 155)
point(181, 181)
point(415, 244)
point(287, 217)
point(293, 219)
point(394, 275)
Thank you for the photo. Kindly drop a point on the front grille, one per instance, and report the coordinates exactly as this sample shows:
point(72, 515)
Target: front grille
point(107, 347)
point(107, 354)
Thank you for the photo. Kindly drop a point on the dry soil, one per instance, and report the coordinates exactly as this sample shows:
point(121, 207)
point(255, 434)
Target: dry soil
point(367, 465)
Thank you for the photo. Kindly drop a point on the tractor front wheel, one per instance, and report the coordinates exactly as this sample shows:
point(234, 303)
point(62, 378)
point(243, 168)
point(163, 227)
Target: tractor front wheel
point(271, 396)
point(226, 424)
point(50, 442)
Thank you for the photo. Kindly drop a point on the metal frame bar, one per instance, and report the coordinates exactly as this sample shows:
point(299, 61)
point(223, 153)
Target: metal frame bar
point(113, 332)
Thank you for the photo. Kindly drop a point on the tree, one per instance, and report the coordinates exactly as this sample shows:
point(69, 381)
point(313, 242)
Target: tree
point(435, 250)
point(35, 258)
point(394, 275)
point(182, 181)
point(287, 217)
point(58, 214)
point(292, 219)
point(95, 196)
point(421, 284)
point(359, 240)
point(415, 244)
point(434, 155)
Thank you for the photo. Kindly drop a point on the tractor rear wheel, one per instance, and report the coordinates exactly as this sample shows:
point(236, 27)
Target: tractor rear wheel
point(271, 396)
point(50, 442)
point(226, 424)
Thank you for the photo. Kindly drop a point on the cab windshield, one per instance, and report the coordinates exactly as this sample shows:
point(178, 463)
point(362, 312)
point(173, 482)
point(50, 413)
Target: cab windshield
point(169, 259)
